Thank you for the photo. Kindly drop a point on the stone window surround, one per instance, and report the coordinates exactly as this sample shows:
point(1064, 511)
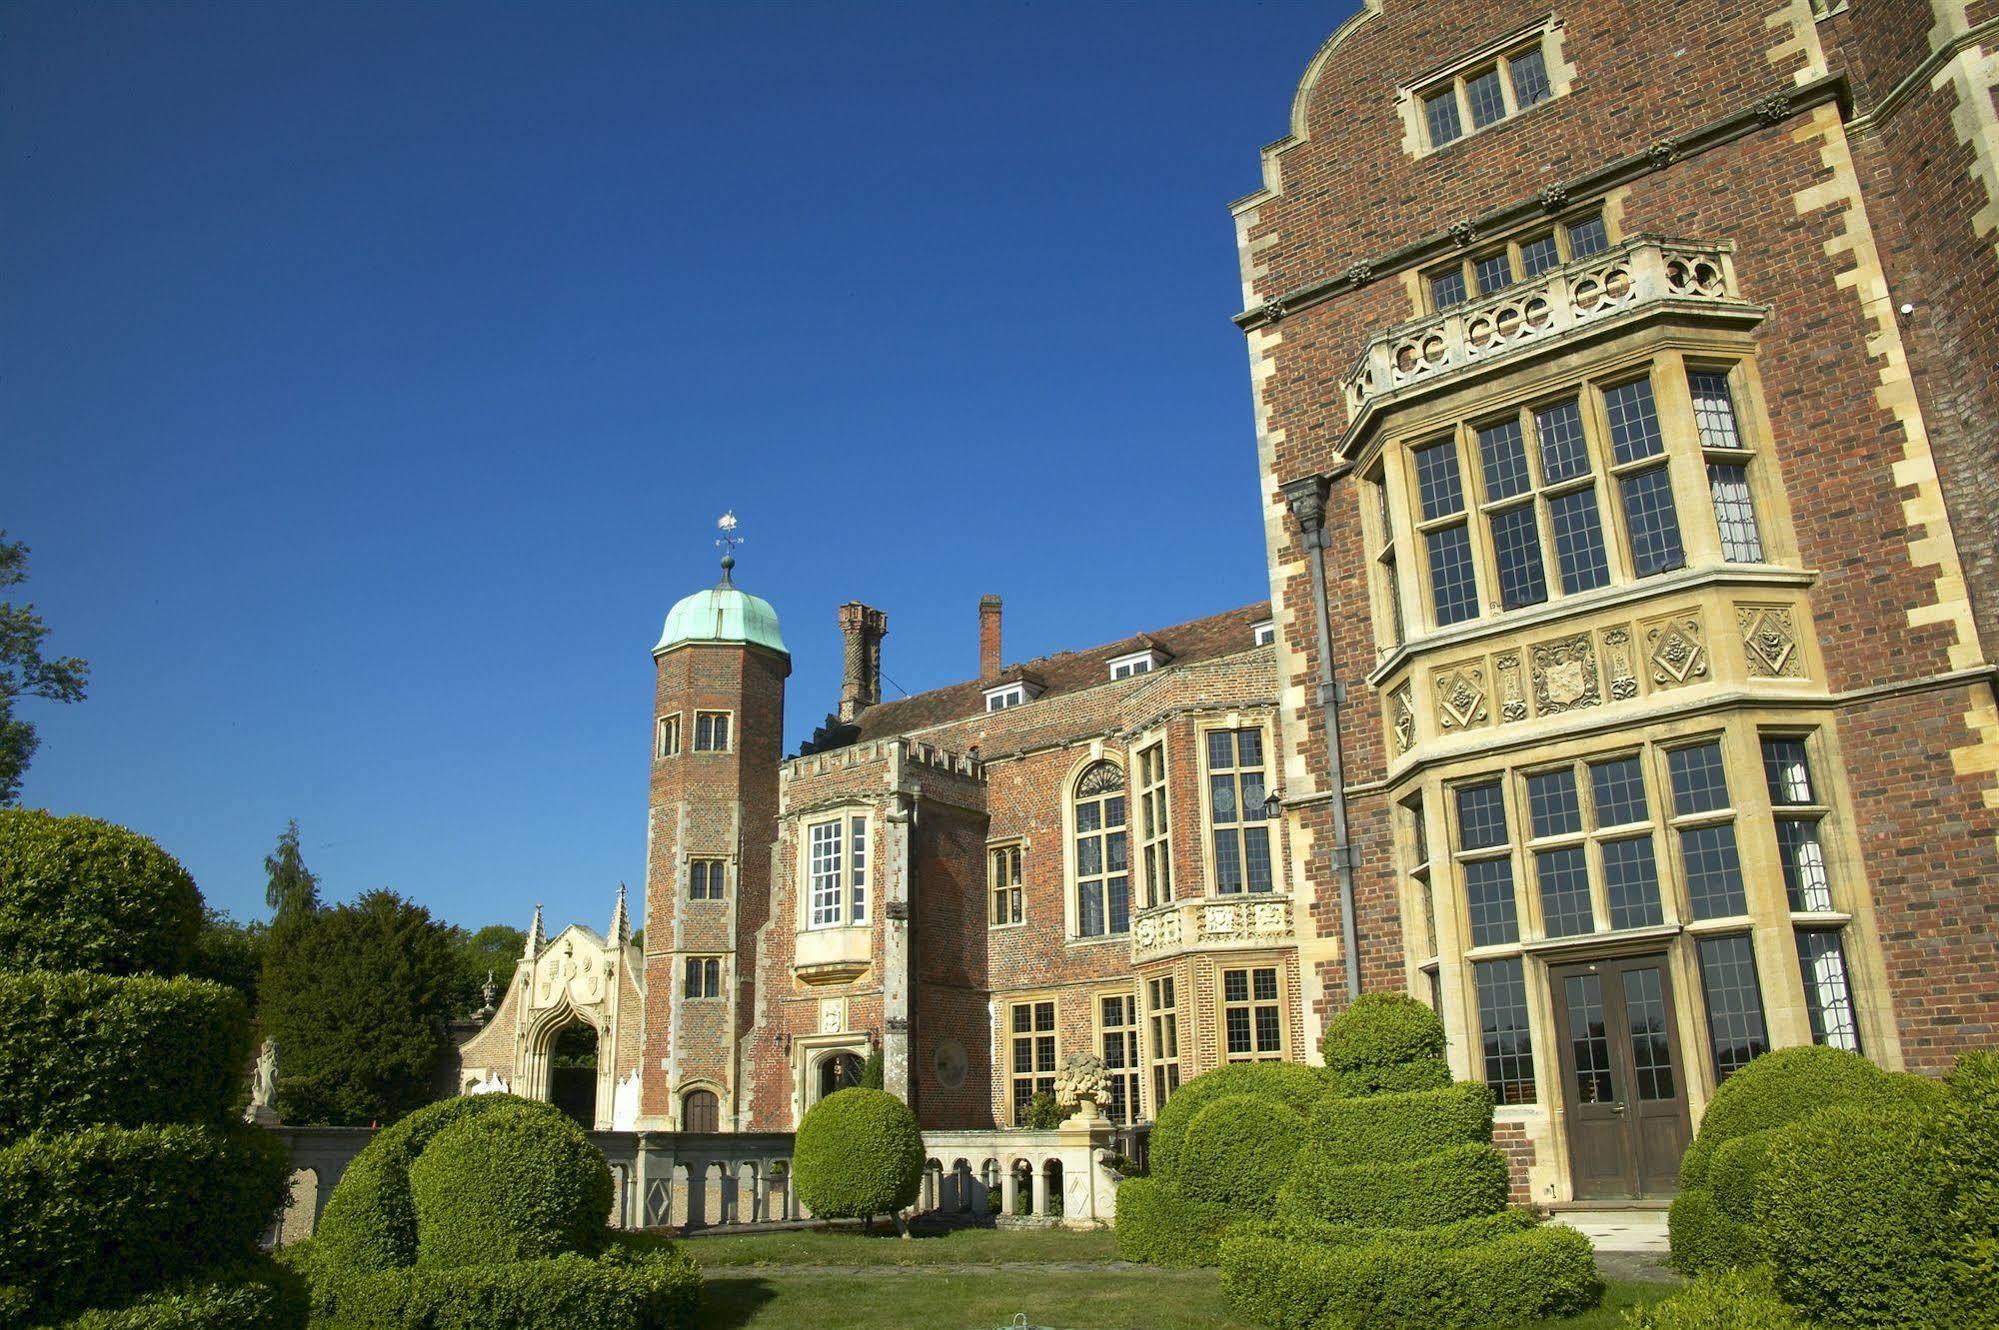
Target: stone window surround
point(1143, 887)
point(1135, 1066)
point(1548, 33)
point(1279, 877)
point(1770, 922)
point(1250, 962)
point(1156, 1059)
point(1010, 844)
point(842, 814)
point(1071, 921)
point(704, 959)
point(666, 735)
point(1390, 468)
point(1004, 1083)
point(728, 735)
point(725, 865)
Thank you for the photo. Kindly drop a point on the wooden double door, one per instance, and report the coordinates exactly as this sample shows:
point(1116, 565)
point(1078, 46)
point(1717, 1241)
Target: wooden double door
point(1624, 1076)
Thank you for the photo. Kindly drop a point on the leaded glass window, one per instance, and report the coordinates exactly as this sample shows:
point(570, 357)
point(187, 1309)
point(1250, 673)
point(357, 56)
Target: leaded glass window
point(1153, 829)
point(1734, 1003)
point(1530, 78)
point(1103, 874)
point(1505, 1041)
point(1797, 810)
point(1440, 111)
point(1482, 94)
point(1238, 821)
point(1727, 458)
point(1252, 1015)
point(1117, 1018)
point(1033, 1055)
point(1828, 994)
point(1486, 862)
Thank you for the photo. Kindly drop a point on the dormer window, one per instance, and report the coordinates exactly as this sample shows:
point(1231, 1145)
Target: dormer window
point(1003, 696)
point(1138, 662)
point(1514, 74)
point(1265, 632)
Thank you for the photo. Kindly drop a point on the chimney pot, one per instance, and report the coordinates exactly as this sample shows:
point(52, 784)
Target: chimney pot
point(989, 638)
point(861, 681)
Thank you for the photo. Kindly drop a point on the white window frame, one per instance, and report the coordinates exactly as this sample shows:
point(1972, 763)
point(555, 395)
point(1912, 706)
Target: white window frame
point(666, 740)
point(1264, 633)
point(1138, 662)
point(834, 857)
point(1008, 696)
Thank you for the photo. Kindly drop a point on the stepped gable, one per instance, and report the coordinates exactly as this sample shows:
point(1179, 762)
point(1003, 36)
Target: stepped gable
point(1068, 671)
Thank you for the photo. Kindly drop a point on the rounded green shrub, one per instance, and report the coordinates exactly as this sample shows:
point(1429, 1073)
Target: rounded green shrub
point(1392, 1285)
point(619, 1289)
point(516, 1184)
point(80, 894)
point(369, 1222)
point(1376, 1035)
point(1439, 1188)
point(1159, 1224)
point(1238, 1151)
point(101, 1216)
point(1731, 1300)
point(1395, 1128)
point(1969, 1144)
point(78, 1050)
point(1777, 1088)
point(858, 1154)
point(1853, 1213)
point(257, 1293)
point(1289, 1083)
point(1459, 1233)
point(1703, 1239)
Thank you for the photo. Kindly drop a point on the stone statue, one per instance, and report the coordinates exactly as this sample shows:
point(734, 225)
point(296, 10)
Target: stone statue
point(1081, 1082)
point(264, 1087)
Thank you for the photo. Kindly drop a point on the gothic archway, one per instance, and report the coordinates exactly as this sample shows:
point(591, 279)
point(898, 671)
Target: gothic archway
point(837, 1071)
point(572, 1072)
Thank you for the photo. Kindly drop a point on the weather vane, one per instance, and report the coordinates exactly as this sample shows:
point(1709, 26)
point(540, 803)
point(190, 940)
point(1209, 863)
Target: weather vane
point(727, 541)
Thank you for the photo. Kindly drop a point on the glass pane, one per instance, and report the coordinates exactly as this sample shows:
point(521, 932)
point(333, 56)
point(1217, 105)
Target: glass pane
point(1734, 1003)
point(1228, 863)
point(1634, 422)
point(1089, 816)
point(1804, 864)
point(1447, 289)
point(1506, 1043)
point(1587, 237)
point(1221, 750)
point(1256, 857)
point(1652, 521)
point(1714, 410)
point(1589, 1042)
point(1253, 795)
point(1120, 901)
point(1503, 461)
point(1714, 872)
point(1238, 1030)
point(1516, 548)
point(1437, 484)
point(1487, 102)
point(1494, 272)
point(1700, 785)
point(1489, 902)
point(1268, 1038)
point(1617, 787)
point(1090, 909)
point(1538, 255)
point(1023, 1019)
point(1651, 1048)
point(1249, 747)
point(1559, 428)
point(1114, 812)
point(1578, 531)
point(1221, 799)
point(1787, 771)
point(1530, 78)
point(1453, 584)
point(1235, 985)
point(1441, 112)
point(1828, 1000)
point(1115, 852)
point(1552, 805)
point(1565, 905)
point(1734, 514)
point(1631, 883)
point(1481, 816)
point(1264, 985)
point(1089, 856)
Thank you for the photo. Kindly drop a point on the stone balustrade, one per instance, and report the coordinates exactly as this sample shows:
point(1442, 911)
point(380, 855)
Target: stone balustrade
point(1211, 922)
point(1644, 270)
point(1040, 1177)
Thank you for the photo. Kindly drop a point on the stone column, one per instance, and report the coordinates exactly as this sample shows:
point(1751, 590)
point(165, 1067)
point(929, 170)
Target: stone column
point(1040, 1193)
point(1009, 1189)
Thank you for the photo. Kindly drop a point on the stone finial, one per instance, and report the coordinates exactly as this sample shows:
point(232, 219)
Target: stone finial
point(489, 994)
point(536, 938)
point(621, 922)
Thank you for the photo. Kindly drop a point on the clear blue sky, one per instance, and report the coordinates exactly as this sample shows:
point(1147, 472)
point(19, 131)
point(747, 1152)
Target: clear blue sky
point(371, 377)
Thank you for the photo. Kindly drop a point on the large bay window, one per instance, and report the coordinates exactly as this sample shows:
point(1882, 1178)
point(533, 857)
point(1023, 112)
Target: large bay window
point(1103, 870)
point(836, 863)
point(1237, 819)
point(1156, 850)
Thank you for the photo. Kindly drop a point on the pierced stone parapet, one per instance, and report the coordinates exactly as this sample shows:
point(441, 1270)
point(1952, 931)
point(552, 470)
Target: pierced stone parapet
point(1205, 922)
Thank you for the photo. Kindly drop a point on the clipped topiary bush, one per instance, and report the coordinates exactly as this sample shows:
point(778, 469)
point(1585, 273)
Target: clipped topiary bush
point(1777, 1088)
point(1730, 1300)
point(70, 1044)
point(1238, 1151)
point(1458, 1183)
point(80, 894)
point(1854, 1212)
point(858, 1154)
point(1394, 1128)
point(516, 1184)
point(369, 1222)
point(1968, 1142)
point(657, 1289)
point(257, 1293)
point(98, 1217)
point(1385, 1042)
point(1403, 1285)
point(1459, 1233)
point(1290, 1083)
point(1159, 1224)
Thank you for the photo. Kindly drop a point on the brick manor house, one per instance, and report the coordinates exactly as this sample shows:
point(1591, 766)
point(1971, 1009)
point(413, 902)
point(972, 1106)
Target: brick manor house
point(1625, 411)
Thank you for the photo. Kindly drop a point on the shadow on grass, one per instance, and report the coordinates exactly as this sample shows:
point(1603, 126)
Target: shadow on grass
point(731, 1302)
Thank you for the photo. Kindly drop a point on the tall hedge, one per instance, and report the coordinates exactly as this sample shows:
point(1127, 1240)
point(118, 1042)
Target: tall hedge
point(1968, 1152)
point(80, 894)
point(70, 1044)
point(657, 1289)
point(517, 1184)
point(1395, 1128)
point(1239, 1150)
point(1161, 1225)
point(1439, 1188)
point(857, 1154)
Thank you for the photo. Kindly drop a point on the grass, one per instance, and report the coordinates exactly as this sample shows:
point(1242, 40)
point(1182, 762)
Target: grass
point(740, 1297)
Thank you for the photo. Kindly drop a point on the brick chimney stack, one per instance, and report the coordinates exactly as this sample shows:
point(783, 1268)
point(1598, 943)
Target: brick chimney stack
point(861, 682)
point(989, 638)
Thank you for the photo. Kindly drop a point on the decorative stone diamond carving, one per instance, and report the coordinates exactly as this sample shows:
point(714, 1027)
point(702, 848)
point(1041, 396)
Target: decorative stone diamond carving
point(1460, 697)
point(1618, 665)
point(1676, 649)
point(1770, 641)
point(1565, 676)
point(1402, 719)
point(1512, 697)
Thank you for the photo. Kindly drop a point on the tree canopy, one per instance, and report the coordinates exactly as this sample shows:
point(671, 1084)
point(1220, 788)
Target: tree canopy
point(357, 996)
point(25, 672)
point(291, 885)
point(494, 950)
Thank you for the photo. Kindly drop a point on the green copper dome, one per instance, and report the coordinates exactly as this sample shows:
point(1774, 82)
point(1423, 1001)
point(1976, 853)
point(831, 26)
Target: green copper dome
point(722, 614)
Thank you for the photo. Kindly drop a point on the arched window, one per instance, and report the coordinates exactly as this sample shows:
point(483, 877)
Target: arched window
point(701, 1111)
point(1103, 875)
point(838, 1071)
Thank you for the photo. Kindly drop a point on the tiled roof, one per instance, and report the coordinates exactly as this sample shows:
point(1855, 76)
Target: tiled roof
point(1068, 671)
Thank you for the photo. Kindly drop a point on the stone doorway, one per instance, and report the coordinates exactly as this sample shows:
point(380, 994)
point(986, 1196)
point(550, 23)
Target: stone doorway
point(572, 1072)
point(1624, 1079)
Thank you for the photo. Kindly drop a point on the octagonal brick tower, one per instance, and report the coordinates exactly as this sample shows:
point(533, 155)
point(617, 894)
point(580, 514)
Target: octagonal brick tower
point(718, 728)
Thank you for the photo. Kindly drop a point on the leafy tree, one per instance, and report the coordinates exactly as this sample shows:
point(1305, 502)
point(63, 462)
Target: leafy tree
point(292, 886)
point(357, 996)
point(872, 1070)
point(24, 671)
point(229, 953)
point(492, 950)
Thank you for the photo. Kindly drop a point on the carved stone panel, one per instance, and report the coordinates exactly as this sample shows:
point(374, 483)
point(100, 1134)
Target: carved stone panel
point(1512, 694)
point(1770, 641)
point(1460, 694)
point(832, 1015)
point(1402, 719)
point(1676, 649)
point(1617, 664)
point(1565, 675)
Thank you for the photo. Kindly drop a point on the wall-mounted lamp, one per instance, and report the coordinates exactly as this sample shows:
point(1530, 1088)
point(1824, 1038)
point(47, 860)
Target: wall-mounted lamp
point(1273, 804)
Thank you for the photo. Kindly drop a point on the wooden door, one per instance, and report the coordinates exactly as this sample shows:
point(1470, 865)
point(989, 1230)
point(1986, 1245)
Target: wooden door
point(1623, 1077)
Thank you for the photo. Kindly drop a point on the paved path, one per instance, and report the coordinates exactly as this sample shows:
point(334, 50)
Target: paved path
point(1630, 1244)
point(992, 1268)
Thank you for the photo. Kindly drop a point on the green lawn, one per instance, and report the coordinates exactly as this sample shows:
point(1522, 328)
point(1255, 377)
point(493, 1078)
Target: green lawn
point(740, 1297)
